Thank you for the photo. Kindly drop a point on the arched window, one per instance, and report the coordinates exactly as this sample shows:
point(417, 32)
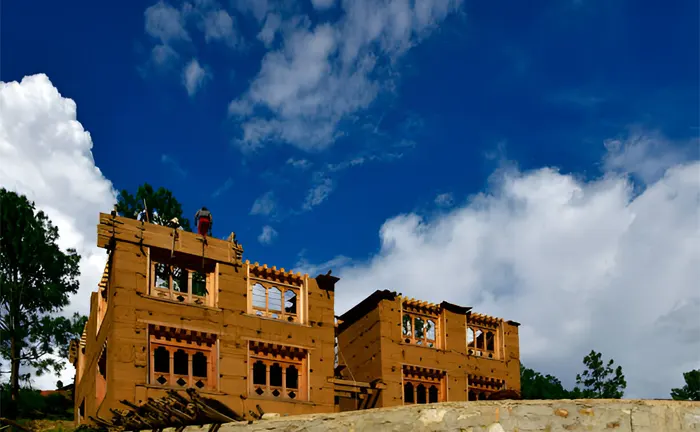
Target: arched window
point(292, 381)
point(259, 296)
point(421, 394)
point(408, 393)
point(161, 360)
point(433, 394)
point(199, 365)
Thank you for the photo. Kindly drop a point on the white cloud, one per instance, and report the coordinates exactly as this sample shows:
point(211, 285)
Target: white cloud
point(645, 155)
point(323, 74)
point(444, 200)
point(582, 265)
point(302, 164)
point(166, 23)
point(265, 205)
point(318, 194)
point(47, 156)
point(268, 235)
point(194, 76)
point(269, 30)
point(323, 4)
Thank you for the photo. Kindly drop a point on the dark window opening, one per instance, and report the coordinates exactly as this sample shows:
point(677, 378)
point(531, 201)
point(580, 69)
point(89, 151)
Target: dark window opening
point(472, 396)
point(276, 375)
point(433, 394)
point(81, 410)
point(290, 302)
point(421, 396)
point(179, 280)
point(259, 373)
point(161, 360)
point(292, 378)
point(489, 341)
point(199, 284)
point(482, 396)
point(180, 362)
point(102, 364)
point(199, 365)
point(408, 393)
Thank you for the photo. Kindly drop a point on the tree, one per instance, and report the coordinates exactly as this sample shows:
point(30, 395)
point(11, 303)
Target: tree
point(36, 279)
point(534, 385)
point(600, 380)
point(691, 389)
point(162, 201)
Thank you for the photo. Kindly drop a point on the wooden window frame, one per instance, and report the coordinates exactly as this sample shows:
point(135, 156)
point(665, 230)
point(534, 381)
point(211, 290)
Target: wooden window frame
point(270, 354)
point(187, 297)
point(477, 349)
point(209, 350)
point(299, 317)
point(412, 338)
point(428, 378)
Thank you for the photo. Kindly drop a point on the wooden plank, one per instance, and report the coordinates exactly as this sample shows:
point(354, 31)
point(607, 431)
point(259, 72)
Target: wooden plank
point(151, 235)
point(349, 383)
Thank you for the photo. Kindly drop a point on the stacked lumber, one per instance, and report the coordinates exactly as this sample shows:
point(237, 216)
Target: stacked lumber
point(365, 393)
point(173, 410)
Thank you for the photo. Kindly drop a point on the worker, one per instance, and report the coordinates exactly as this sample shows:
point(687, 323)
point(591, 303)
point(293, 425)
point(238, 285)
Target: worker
point(141, 216)
point(204, 221)
point(175, 223)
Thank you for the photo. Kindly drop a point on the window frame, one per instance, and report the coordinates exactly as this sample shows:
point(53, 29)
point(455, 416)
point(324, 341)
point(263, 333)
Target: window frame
point(209, 299)
point(279, 354)
point(415, 376)
point(412, 339)
point(210, 382)
point(301, 292)
point(474, 348)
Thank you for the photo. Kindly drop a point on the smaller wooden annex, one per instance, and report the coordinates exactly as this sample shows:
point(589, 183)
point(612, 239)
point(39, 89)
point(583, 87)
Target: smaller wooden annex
point(175, 311)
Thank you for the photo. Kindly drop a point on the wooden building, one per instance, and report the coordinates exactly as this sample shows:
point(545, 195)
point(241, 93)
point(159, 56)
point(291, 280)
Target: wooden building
point(174, 311)
point(426, 352)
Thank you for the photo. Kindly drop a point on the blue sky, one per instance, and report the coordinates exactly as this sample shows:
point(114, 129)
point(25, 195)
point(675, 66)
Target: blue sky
point(321, 134)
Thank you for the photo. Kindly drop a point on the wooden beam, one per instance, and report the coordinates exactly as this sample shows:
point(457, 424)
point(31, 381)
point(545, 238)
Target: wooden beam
point(157, 236)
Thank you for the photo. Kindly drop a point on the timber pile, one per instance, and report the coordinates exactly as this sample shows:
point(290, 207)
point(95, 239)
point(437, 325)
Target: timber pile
point(173, 410)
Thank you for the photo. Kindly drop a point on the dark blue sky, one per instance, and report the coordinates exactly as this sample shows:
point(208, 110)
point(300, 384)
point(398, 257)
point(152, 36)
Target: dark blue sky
point(542, 83)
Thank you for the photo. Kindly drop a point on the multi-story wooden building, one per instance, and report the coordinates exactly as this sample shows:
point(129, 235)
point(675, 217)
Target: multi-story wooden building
point(175, 312)
point(426, 352)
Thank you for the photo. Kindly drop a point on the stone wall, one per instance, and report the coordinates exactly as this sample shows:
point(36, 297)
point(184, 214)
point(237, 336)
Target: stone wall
point(498, 416)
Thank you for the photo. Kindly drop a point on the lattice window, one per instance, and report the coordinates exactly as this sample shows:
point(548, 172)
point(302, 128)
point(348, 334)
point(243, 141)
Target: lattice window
point(483, 336)
point(419, 329)
point(277, 371)
point(423, 385)
point(480, 387)
point(269, 300)
point(182, 358)
point(182, 284)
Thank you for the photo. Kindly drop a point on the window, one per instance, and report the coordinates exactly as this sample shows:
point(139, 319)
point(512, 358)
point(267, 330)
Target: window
point(419, 329)
point(480, 388)
point(183, 283)
point(277, 371)
point(482, 336)
point(269, 300)
point(182, 358)
point(423, 385)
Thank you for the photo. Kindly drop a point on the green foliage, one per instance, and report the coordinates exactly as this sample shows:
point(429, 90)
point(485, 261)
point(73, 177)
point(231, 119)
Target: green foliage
point(161, 200)
point(600, 380)
point(35, 406)
point(691, 389)
point(36, 280)
point(534, 385)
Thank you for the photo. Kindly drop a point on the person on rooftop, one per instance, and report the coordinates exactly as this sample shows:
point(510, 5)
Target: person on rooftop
point(204, 221)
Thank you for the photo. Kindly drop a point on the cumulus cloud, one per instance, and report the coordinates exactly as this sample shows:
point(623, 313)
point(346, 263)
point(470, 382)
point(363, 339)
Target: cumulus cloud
point(194, 77)
point(47, 156)
point(323, 74)
point(581, 264)
point(268, 235)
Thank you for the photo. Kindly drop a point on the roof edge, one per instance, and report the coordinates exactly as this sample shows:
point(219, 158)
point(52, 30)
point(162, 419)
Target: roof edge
point(362, 308)
point(461, 310)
